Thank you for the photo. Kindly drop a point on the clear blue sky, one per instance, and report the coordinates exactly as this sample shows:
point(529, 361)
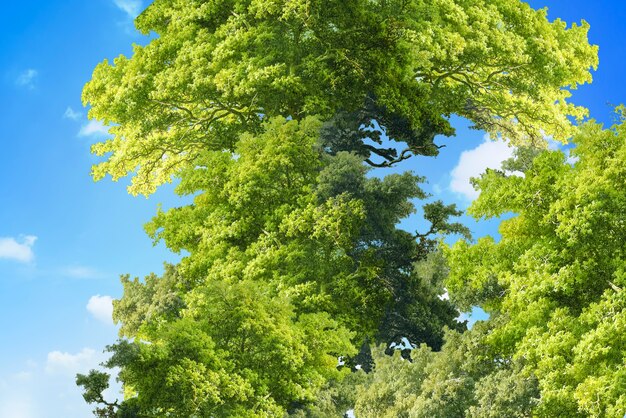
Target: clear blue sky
point(65, 239)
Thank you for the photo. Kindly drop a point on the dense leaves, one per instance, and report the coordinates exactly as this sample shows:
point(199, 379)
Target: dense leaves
point(293, 260)
point(553, 285)
point(400, 67)
point(270, 116)
point(462, 380)
point(554, 282)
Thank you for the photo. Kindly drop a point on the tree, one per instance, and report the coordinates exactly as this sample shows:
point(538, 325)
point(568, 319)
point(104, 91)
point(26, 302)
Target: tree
point(271, 114)
point(553, 284)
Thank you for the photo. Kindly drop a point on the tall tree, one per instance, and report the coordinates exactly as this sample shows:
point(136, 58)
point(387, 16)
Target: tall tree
point(294, 259)
point(270, 114)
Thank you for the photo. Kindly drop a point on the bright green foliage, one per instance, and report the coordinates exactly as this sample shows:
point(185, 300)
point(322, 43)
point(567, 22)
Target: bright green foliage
point(336, 398)
point(554, 284)
point(294, 259)
point(462, 380)
point(155, 297)
point(268, 114)
point(395, 66)
point(237, 351)
point(259, 338)
point(283, 213)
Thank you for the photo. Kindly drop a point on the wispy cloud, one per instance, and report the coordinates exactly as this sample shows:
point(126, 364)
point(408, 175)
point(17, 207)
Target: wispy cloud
point(491, 154)
point(27, 78)
point(571, 159)
point(93, 128)
point(131, 7)
point(17, 407)
point(72, 114)
point(18, 250)
point(67, 363)
point(49, 389)
point(474, 162)
point(101, 307)
point(82, 272)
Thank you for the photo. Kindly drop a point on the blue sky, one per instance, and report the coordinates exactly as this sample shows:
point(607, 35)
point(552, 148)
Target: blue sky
point(65, 239)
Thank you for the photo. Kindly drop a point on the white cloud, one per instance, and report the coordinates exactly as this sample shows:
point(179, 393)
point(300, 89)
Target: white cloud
point(15, 250)
point(101, 307)
point(552, 144)
point(20, 407)
point(438, 189)
point(82, 272)
point(70, 364)
point(571, 160)
point(131, 7)
point(472, 163)
point(72, 114)
point(49, 390)
point(27, 78)
point(93, 128)
point(23, 376)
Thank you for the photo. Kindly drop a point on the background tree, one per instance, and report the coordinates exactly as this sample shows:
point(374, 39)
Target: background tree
point(553, 284)
point(461, 380)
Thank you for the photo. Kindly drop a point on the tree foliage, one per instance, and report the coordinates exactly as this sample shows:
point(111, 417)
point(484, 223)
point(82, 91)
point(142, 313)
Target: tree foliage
point(462, 380)
point(294, 259)
point(271, 115)
point(553, 345)
point(400, 67)
point(554, 283)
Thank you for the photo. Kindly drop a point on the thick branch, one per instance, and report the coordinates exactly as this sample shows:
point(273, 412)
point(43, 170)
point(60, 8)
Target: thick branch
point(391, 157)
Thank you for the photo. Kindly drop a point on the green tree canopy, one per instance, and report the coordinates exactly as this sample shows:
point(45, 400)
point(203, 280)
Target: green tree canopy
point(271, 115)
point(554, 283)
point(293, 259)
point(216, 69)
point(464, 379)
point(553, 345)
